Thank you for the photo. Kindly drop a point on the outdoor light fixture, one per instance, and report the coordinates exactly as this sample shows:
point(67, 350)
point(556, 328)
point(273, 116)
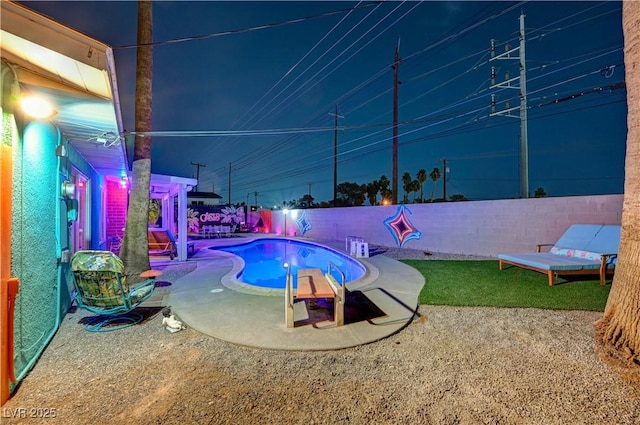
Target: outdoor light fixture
point(37, 107)
point(286, 212)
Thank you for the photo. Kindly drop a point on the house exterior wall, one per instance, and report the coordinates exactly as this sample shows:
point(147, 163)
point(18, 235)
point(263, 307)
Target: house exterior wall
point(485, 228)
point(34, 245)
point(40, 235)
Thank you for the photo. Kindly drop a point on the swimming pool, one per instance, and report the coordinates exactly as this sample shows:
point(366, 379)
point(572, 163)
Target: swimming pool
point(265, 258)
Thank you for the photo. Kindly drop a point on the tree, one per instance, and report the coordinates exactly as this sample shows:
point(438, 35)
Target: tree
point(435, 176)
point(540, 193)
point(619, 327)
point(350, 194)
point(458, 197)
point(290, 204)
point(414, 187)
point(422, 178)
point(135, 245)
point(406, 186)
point(386, 193)
point(372, 190)
point(306, 201)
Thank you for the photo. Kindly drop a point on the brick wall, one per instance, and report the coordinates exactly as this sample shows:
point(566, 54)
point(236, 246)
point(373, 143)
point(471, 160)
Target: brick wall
point(116, 209)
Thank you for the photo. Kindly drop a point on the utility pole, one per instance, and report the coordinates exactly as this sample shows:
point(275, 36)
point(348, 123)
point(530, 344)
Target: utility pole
point(444, 179)
point(507, 112)
point(255, 194)
point(335, 155)
point(396, 83)
point(198, 165)
point(229, 183)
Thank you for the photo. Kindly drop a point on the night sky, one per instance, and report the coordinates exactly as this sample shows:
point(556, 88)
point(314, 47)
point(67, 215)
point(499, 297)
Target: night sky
point(279, 85)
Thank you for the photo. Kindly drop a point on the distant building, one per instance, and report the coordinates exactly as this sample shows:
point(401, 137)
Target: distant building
point(200, 199)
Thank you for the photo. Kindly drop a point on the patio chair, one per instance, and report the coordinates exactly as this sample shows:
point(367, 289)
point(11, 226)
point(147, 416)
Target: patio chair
point(101, 288)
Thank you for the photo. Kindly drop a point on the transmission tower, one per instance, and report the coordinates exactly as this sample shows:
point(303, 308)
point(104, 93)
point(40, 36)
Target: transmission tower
point(519, 83)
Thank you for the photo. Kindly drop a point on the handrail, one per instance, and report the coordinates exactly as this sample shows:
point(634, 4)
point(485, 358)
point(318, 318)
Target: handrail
point(342, 277)
point(340, 299)
point(288, 297)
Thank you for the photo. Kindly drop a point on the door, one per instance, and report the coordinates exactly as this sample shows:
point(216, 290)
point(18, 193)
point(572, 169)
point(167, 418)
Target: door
point(80, 213)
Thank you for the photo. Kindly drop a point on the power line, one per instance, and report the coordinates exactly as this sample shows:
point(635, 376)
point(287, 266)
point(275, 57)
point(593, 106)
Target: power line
point(309, 67)
point(547, 87)
point(316, 81)
point(243, 30)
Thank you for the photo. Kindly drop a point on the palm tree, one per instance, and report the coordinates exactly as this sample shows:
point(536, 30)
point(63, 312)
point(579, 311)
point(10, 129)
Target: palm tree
point(435, 176)
point(372, 190)
point(422, 178)
point(135, 245)
point(406, 183)
point(619, 327)
point(540, 193)
point(414, 187)
point(386, 193)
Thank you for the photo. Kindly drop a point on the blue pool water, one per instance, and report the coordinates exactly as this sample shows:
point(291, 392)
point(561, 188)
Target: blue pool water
point(265, 258)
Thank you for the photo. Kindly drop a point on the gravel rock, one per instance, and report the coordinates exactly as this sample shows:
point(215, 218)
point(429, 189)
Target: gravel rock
point(452, 365)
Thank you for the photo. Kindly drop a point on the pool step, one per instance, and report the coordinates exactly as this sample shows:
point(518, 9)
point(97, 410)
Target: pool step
point(312, 283)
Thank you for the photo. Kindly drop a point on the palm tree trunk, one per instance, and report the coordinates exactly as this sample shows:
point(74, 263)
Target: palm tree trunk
point(619, 328)
point(135, 246)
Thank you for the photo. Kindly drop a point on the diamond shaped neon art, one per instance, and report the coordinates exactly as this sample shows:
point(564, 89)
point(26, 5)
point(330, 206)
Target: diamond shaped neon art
point(401, 228)
point(303, 223)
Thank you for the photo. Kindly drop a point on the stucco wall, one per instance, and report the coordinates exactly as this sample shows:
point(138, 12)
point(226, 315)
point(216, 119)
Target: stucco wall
point(33, 253)
point(476, 228)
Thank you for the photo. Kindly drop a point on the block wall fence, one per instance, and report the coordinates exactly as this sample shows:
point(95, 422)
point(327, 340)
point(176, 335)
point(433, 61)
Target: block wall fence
point(485, 228)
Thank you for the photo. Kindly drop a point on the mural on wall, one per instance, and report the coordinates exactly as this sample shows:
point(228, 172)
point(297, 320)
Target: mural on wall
point(401, 228)
point(193, 223)
point(209, 215)
point(303, 223)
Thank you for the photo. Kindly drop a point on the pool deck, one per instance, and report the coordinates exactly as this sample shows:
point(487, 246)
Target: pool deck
point(212, 301)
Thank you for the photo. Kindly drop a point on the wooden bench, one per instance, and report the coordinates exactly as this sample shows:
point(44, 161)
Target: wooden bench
point(313, 284)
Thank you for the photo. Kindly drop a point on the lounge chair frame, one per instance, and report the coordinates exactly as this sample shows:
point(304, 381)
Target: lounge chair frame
point(100, 286)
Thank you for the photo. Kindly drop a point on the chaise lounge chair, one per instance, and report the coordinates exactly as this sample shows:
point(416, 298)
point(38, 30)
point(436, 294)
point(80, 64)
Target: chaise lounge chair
point(582, 249)
point(101, 287)
point(163, 242)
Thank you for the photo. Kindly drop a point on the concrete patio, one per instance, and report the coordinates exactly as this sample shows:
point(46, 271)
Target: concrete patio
point(211, 300)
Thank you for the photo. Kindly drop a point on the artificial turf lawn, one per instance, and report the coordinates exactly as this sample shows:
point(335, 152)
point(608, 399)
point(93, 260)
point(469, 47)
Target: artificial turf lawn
point(481, 283)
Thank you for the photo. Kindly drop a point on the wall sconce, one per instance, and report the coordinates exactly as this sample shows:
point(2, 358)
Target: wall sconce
point(68, 189)
point(37, 108)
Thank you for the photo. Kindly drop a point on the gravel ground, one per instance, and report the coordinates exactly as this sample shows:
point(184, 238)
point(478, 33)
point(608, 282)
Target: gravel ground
point(450, 366)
